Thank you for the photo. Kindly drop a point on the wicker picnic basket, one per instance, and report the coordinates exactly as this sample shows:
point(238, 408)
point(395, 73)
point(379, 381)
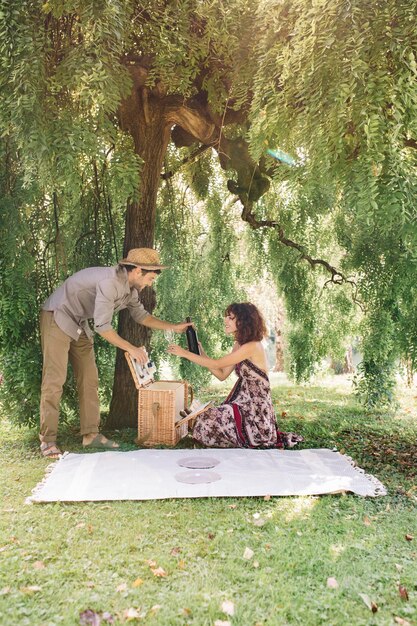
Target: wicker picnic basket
point(159, 406)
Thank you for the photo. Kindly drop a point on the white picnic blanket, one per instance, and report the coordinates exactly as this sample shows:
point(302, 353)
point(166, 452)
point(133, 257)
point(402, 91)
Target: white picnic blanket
point(157, 474)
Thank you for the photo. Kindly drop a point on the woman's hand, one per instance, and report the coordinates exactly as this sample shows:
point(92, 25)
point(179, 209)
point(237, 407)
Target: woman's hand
point(177, 350)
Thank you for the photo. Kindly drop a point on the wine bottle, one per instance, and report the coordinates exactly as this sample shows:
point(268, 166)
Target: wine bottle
point(192, 340)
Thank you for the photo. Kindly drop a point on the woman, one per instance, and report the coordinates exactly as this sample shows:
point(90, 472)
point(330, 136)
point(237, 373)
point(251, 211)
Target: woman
point(246, 418)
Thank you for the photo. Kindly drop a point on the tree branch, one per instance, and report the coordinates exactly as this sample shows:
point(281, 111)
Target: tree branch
point(337, 277)
point(410, 143)
point(187, 159)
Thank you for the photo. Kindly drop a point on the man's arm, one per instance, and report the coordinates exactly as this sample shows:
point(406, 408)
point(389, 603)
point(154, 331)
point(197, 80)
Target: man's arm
point(137, 353)
point(156, 324)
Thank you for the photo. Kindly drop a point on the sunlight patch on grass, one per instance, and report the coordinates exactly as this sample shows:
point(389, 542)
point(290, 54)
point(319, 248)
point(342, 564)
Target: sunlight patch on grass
point(300, 508)
point(336, 549)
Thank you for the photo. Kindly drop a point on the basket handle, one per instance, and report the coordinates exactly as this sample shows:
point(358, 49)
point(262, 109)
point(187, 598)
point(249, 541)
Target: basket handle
point(155, 408)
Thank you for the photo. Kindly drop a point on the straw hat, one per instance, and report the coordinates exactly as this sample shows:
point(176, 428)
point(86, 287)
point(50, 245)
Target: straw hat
point(146, 258)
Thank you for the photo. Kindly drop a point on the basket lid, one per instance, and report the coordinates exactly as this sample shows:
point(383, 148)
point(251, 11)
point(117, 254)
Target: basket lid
point(143, 374)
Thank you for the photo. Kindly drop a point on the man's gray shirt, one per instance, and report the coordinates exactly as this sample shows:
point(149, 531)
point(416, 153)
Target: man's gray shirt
point(93, 293)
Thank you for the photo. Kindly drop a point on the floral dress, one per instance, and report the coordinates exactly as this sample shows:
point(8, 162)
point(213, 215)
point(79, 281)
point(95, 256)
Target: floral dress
point(246, 419)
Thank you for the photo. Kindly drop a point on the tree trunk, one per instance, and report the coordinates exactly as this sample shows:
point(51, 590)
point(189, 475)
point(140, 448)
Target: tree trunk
point(144, 117)
point(148, 115)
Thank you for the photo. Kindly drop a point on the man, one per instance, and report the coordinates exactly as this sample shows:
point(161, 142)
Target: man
point(93, 293)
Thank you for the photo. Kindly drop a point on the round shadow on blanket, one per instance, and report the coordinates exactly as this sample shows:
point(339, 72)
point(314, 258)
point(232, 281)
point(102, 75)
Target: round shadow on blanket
point(195, 462)
point(197, 478)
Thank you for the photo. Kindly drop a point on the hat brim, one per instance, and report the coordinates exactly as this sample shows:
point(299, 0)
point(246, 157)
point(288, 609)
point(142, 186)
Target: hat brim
point(144, 266)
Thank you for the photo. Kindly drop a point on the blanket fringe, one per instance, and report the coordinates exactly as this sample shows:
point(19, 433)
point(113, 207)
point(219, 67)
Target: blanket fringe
point(49, 469)
point(379, 488)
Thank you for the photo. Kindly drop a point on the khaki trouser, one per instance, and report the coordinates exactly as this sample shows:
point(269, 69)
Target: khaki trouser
point(57, 346)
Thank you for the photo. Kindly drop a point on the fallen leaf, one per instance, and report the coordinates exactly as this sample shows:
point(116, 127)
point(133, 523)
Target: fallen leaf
point(220, 622)
point(155, 608)
point(409, 537)
point(3, 548)
point(121, 587)
point(228, 607)
point(137, 583)
point(39, 565)
point(211, 535)
point(175, 551)
point(186, 611)
point(159, 571)
point(80, 525)
point(259, 522)
point(284, 413)
point(30, 589)
point(232, 506)
point(151, 563)
point(399, 567)
point(131, 613)
point(401, 621)
point(248, 554)
point(256, 564)
point(403, 592)
point(332, 583)
point(5, 591)
point(367, 521)
point(90, 584)
point(90, 618)
point(267, 497)
point(181, 564)
point(372, 606)
point(90, 528)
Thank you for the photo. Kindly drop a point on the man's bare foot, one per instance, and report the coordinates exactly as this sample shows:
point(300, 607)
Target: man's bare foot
point(96, 440)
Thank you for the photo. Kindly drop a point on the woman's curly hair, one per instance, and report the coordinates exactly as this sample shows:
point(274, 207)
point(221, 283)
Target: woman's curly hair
point(250, 325)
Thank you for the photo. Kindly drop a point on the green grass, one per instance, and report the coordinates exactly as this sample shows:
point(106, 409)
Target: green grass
point(88, 556)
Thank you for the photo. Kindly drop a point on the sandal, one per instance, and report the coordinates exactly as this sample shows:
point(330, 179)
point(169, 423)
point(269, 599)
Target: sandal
point(109, 444)
point(50, 450)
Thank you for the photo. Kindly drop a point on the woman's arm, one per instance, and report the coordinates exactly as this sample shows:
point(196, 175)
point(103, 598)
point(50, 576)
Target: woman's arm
point(236, 356)
point(219, 372)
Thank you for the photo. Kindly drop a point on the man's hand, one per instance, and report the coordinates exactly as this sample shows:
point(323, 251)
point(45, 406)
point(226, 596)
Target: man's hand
point(139, 354)
point(180, 328)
